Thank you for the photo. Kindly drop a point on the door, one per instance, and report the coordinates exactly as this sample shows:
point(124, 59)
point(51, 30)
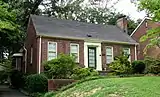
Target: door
point(92, 57)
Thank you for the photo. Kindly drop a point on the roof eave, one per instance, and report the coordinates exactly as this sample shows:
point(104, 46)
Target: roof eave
point(120, 42)
point(89, 39)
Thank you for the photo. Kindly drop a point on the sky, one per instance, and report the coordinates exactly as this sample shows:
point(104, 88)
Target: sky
point(125, 7)
point(128, 8)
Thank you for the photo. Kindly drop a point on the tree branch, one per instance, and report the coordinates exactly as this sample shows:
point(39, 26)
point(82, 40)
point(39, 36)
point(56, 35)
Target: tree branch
point(35, 7)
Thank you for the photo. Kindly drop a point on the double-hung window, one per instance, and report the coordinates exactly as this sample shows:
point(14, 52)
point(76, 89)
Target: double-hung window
point(52, 50)
point(127, 52)
point(74, 50)
point(109, 54)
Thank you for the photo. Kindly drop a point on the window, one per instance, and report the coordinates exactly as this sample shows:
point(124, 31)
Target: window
point(126, 52)
point(52, 50)
point(31, 60)
point(109, 54)
point(74, 50)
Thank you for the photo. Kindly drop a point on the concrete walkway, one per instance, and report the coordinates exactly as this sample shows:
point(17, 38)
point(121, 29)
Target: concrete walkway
point(5, 91)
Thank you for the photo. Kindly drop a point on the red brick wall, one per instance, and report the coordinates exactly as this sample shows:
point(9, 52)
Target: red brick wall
point(63, 46)
point(117, 48)
point(55, 84)
point(153, 52)
point(31, 41)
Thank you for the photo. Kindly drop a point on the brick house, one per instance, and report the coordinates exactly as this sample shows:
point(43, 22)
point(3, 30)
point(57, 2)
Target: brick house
point(95, 45)
point(141, 30)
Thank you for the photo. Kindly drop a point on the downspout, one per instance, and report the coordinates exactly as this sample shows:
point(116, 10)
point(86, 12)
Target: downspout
point(135, 48)
point(25, 56)
point(39, 65)
point(16, 64)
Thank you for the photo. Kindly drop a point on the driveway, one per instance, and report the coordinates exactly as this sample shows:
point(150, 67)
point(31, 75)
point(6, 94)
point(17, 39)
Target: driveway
point(5, 91)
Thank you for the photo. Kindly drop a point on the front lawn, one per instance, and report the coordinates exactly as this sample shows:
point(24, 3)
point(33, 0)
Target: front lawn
point(116, 87)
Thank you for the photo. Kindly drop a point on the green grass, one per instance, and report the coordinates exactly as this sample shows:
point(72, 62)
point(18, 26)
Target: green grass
point(116, 87)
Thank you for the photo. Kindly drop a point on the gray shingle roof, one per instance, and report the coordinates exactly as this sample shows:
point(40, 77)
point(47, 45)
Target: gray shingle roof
point(48, 26)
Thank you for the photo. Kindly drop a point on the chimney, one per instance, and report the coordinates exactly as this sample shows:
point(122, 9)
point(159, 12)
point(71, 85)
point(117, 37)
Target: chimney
point(122, 23)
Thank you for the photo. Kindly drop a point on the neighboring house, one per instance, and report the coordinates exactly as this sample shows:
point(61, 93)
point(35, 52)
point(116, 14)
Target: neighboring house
point(95, 45)
point(145, 25)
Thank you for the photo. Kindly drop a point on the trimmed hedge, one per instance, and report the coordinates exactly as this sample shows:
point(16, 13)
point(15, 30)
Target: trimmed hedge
point(138, 66)
point(36, 83)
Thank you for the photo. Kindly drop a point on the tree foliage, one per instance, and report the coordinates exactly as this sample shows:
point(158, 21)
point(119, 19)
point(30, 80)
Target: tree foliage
point(10, 34)
point(131, 26)
point(14, 16)
point(152, 7)
point(5, 69)
point(93, 13)
point(24, 8)
point(73, 10)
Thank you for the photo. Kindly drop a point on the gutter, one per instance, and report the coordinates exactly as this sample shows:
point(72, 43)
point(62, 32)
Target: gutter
point(87, 39)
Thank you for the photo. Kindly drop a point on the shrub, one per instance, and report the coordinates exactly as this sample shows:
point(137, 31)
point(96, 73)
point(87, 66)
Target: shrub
point(138, 66)
point(61, 67)
point(3, 77)
point(5, 70)
point(121, 65)
point(36, 83)
point(152, 65)
point(81, 73)
point(17, 79)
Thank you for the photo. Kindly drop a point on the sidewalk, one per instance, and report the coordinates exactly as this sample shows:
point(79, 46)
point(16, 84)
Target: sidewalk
point(5, 91)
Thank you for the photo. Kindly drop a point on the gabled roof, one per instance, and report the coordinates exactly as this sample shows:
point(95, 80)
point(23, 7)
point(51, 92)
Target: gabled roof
point(47, 26)
point(144, 19)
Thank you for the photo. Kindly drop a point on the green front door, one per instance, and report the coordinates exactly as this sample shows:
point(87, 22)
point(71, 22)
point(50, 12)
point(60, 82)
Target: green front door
point(92, 57)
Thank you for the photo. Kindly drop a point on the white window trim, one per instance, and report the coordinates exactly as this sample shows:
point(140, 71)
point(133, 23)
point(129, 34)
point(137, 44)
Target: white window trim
point(48, 48)
point(112, 53)
point(129, 59)
point(78, 49)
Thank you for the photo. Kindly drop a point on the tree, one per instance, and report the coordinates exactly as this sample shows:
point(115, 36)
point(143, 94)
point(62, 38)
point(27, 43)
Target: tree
point(131, 26)
point(24, 8)
point(10, 35)
point(14, 23)
point(152, 8)
point(73, 10)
